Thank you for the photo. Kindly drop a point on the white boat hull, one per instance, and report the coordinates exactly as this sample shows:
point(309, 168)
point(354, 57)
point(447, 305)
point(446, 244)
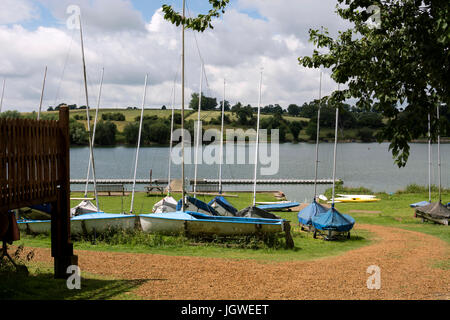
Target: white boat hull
point(171, 224)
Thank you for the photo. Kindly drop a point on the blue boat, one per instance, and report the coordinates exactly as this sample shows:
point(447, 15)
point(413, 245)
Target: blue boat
point(281, 206)
point(305, 216)
point(196, 205)
point(98, 222)
point(419, 204)
point(332, 224)
point(195, 223)
point(223, 207)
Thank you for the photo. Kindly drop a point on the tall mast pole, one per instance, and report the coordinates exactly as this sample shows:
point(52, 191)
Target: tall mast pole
point(42, 94)
point(317, 138)
point(439, 154)
point(429, 158)
point(221, 140)
point(257, 140)
point(93, 132)
point(197, 146)
point(182, 110)
point(91, 150)
point(3, 94)
point(171, 137)
point(334, 155)
point(139, 143)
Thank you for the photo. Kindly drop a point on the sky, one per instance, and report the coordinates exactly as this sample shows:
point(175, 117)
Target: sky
point(130, 38)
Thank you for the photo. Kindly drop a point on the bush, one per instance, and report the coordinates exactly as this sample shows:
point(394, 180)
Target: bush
point(105, 134)
point(131, 133)
point(77, 132)
point(115, 116)
point(14, 114)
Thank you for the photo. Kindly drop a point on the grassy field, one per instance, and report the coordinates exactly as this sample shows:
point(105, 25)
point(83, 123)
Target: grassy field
point(393, 211)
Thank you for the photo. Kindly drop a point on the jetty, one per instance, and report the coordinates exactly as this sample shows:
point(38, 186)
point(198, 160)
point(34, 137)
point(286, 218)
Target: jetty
point(211, 181)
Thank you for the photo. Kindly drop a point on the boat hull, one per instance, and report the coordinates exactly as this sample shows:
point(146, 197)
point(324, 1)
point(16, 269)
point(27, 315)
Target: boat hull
point(87, 223)
point(222, 226)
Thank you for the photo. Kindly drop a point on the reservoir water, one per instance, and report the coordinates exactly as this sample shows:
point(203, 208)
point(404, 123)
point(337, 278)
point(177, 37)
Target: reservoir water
point(358, 164)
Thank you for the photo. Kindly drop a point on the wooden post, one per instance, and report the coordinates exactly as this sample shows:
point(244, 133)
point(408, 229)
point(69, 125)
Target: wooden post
point(62, 248)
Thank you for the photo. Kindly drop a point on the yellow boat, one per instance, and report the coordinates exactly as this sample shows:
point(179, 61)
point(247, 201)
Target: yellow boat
point(356, 199)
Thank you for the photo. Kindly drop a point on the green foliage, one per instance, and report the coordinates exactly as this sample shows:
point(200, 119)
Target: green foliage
point(105, 133)
point(208, 103)
point(415, 188)
point(295, 127)
point(10, 114)
point(77, 132)
point(404, 62)
point(294, 110)
point(155, 132)
point(201, 22)
point(131, 133)
point(113, 116)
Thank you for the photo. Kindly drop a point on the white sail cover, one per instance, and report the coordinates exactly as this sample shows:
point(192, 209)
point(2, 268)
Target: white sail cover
point(168, 204)
point(85, 206)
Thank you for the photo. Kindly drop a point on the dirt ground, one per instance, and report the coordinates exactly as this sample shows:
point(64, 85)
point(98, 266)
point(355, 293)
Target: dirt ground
point(404, 257)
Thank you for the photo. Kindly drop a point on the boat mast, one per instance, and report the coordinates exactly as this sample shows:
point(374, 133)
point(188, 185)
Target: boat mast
point(334, 155)
point(139, 143)
point(198, 132)
point(439, 154)
point(221, 140)
point(257, 139)
point(93, 132)
point(429, 158)
point(182, 110)
point(42, 94)
point(3, 94)
point(171, 137)
point(317, 138)
point(91, 150)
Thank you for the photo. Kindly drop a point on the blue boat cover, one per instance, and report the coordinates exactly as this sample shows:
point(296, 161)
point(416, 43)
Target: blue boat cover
point(305, 215)
point(278, 206)
point(419, 204)
point(333, 220)
point(199, 204)
point(224, 204)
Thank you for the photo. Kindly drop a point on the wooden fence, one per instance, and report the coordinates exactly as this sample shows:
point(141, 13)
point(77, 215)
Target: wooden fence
point(34, 169)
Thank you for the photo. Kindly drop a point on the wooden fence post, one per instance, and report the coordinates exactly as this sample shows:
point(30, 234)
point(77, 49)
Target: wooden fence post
point(62, 248)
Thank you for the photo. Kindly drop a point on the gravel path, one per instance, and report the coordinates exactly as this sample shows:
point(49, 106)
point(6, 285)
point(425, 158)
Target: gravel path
point(404, 257)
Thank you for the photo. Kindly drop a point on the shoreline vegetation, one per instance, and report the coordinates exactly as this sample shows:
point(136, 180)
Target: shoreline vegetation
point(295, 124)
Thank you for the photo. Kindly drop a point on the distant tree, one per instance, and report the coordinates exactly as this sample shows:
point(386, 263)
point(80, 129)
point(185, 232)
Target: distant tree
point(295, 127)
point(50, 109)
point(131, 133)
point(77, 133)
point(208, 103)
point(72, 106)
point(114, 116)
point(105, 134)
point(163, 108)
point(293, 110)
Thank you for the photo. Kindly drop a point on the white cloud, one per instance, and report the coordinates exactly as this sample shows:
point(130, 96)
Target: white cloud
point(117, 38)
point(15, 11)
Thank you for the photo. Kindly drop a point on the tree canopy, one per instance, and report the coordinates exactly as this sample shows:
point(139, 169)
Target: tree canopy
point(399, 67)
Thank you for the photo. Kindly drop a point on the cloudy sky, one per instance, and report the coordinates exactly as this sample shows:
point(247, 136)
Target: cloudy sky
point(130, 38)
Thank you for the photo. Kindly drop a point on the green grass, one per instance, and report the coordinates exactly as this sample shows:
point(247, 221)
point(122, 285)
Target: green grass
point(396, 212)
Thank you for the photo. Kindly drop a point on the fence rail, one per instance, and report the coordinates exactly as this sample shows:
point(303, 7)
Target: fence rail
point(29, 157)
